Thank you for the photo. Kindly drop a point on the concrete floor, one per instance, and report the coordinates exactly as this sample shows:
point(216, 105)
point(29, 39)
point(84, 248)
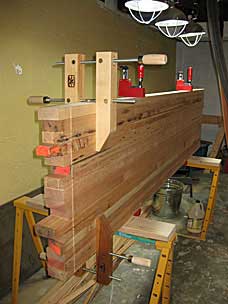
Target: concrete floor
point(200, 272)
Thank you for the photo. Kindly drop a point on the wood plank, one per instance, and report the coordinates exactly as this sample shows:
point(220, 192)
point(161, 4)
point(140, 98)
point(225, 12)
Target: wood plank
point(204, 161)
point(149, 228)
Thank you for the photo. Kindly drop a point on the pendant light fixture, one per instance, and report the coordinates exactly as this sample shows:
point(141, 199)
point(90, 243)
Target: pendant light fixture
point(192, 34)
point(140, 9)
point(172, 22)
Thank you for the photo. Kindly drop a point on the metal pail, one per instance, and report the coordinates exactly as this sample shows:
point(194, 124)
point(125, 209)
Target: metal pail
point(166, 202)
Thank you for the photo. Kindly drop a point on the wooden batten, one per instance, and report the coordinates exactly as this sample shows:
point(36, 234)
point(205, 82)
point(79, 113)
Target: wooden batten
point(106, 90)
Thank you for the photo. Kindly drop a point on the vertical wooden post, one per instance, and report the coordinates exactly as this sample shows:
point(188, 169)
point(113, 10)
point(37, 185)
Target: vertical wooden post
point(106, 90)
point(104, 244)
point(74, 77)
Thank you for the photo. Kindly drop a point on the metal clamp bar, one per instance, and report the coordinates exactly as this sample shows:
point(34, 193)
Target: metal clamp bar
point(94, 272)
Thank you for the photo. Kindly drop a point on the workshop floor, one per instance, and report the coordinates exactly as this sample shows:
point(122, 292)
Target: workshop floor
point(200, 272)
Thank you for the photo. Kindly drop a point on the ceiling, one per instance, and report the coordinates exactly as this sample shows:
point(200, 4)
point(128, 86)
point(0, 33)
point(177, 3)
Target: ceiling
point(196, 8)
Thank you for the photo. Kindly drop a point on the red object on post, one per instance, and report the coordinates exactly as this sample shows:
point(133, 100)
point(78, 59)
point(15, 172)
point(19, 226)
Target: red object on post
point(190, 75)
point(140, 71)
point(181, 85)
point(127, 90)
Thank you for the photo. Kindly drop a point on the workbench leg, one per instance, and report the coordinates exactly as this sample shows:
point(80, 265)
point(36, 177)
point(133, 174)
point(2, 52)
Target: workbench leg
point(159, 276)
point(36, 239)
point(166, 289)
point(17, 254)
point(210, 205)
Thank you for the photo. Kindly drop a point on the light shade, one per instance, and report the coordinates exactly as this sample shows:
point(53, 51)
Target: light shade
point(192, 34)
point(172, 22)
point(138, 7)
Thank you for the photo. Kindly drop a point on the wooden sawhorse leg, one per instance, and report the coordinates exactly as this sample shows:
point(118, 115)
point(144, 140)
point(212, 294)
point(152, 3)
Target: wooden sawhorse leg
point(211, 203)
point(166, 289)
point(21, 209)
point(17, 253)
point(162, 281)
point(213, 165)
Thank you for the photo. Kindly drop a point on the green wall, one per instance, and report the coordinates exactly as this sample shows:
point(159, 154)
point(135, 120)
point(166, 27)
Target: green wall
point(35, 34)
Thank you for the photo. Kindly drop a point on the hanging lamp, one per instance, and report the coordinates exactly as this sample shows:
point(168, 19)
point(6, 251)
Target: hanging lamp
point(192, 34)
point(172, 22)
point(139, 9)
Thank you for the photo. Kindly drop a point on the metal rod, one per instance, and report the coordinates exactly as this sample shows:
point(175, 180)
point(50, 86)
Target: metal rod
point(56, 99)
point(94, 272)
point(115, 278)
point(119, 256)
point(94, 61)
point(124, 100)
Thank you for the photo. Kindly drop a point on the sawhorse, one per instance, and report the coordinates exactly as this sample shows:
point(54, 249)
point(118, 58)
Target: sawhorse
point(213, 165)
point(21, 209)
point(162, 280)
point(143, 230)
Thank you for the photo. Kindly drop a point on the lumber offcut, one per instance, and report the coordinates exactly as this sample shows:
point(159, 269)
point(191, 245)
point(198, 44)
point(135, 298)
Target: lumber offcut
point(153, 138)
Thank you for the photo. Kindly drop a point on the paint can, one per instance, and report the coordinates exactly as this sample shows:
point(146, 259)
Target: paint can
point(167, 200)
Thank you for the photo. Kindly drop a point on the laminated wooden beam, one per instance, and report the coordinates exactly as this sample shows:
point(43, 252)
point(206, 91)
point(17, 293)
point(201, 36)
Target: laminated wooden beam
point(154, 137)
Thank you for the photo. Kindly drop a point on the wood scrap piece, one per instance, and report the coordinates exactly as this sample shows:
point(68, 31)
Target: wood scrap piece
point(148, 228)
point(80, 291)
point(93, 292)
point(59, 290)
